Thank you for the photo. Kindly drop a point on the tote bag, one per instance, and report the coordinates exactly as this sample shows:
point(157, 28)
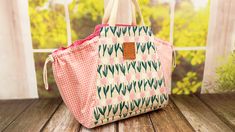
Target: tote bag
point(117, 72)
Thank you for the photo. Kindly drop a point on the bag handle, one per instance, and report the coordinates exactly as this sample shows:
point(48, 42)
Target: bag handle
point(112, 10)
point(45, 81)
point(137, 6)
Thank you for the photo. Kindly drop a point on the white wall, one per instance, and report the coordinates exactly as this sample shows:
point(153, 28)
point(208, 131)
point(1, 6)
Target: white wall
point(17, 72)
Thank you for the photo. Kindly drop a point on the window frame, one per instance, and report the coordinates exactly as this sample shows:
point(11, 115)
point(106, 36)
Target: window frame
point(171, 33)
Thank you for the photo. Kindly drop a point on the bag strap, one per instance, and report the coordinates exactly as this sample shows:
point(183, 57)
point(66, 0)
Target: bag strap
point(137, 6)
point(112, 10)
point(45, 80)
point(107, 12)
point(113, 15)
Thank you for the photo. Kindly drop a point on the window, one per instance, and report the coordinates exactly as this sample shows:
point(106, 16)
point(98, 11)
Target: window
point(190, 35)
point(48, 28)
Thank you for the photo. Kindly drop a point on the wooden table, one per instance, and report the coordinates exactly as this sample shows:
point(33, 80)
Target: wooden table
point(211, 113)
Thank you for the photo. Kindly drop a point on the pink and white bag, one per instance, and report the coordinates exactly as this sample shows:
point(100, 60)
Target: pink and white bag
point(117, 72)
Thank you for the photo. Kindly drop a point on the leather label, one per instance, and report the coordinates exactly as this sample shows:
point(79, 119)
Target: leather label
point(129, 51)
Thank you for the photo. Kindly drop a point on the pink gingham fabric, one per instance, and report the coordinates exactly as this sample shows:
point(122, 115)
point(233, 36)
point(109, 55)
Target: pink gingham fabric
point(165, 53)
point(84, 90)
point(74, 73)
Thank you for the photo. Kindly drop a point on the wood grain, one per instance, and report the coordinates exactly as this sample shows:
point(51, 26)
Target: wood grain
point(184, 113)
point(199, 115)
point(35, 117)
point(106, 128)
point(170, 119)
point(62, 120)
point(10, 109)
point(223, 105)
point(141, 123)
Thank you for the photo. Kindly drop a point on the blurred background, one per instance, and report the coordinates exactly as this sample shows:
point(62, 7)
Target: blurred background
point(202, 32)
point(48, 29)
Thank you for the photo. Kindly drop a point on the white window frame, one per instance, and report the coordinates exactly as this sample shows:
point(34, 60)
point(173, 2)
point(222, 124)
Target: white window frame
point(172, 12)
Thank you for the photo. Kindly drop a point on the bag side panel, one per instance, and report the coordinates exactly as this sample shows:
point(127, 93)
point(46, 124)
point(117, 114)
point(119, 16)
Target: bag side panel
point(165, 55)
point(75, 75)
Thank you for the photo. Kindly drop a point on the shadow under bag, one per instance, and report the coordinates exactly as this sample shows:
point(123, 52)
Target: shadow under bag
point(117, 72)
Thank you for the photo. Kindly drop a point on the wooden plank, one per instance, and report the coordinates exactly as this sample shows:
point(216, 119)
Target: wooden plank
point(106, 128)
point(199, 115)
point(35, 117)
point(10, 109)
point(223, 105)
point(141, 123)
point(62, 120)
point(170, 119)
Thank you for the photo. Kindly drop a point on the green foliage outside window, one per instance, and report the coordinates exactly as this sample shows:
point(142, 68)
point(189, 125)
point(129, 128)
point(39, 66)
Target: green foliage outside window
point(226, 75)
point(48, 26)
point(189, 84)
point(48, 29)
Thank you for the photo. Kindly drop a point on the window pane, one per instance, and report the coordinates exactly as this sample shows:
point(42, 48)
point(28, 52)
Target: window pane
point(85, 14)
point(48, 27)
point(156, 14)
point(187, 76)
point(39, 63)
point(191, 22)
point(49, 31)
